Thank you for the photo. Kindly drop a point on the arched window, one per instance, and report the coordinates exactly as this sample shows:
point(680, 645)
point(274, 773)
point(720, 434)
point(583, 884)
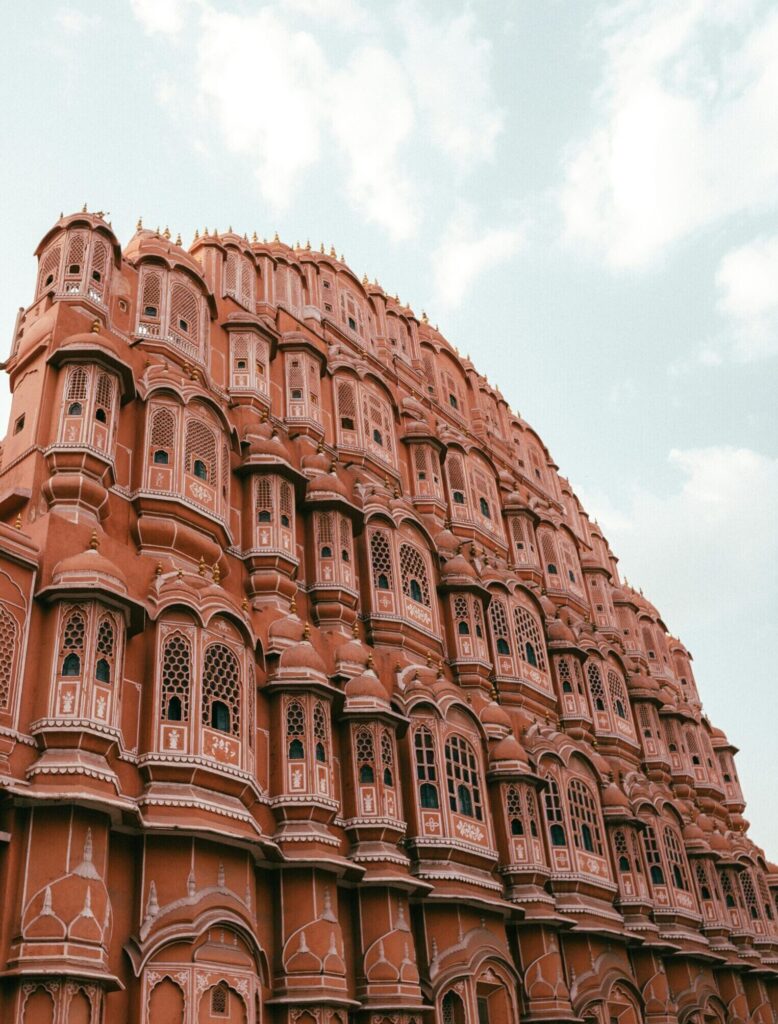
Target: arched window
point(413, 573)
point(554, 815)
point(387, 757)
point(528, 639)
point(176, 678)
point(365, 750)
point(72, 645)
point(426, 768)
point(320, 733)
point(596, 688)
point(675, 858)
point(653, 856)
point(464, 788)
point(295, 730)
point(381, 560)
point(221, 689)
point(584, 817)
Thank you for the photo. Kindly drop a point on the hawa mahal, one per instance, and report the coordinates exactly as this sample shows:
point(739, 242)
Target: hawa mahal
point(321, 698)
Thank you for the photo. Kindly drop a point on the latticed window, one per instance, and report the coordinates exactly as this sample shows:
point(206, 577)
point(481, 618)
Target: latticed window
point(387, 757)
point(72, 645)
point(162, 437)
point(675, 858)
point(176, 678)
point(528, 639)
point(515, 811)
point(8, 645)
point(320, 732)
point(653, 856)
point(618, 697)
point(365, 750)
point(464, 788)
point(621, 851)
point(295, 730)
point(749, 893)
point(221, 689)
point(554, 815)
point(426, 768)
point(200, 451)
point(584, 818)
point(413, 573)
point(498, 618)
point(381, 560)
point(596, 688)
point(105, 651)
point(456, 479)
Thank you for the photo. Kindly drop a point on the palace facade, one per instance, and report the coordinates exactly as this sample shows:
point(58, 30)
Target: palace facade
point(321, 697)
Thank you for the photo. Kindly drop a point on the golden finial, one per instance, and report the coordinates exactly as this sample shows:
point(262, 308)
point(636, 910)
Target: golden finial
point(216, 572)
point(201, 567)
point(18, 523)
point(139, 225)
point(307, 245)
point(178, 238)
point(306, 631)
point(254, 237)
point(158, 569)
point(95, 326)
point(94, 543)
point(83, 208)
point(276, 238)
point(197, 233)
point(424, 318)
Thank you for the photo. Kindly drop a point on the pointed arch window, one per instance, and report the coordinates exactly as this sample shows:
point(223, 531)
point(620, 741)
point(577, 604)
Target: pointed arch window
point(176, 678)
point(554, 814)
point(221, 696)
point(462, 775)
point(426, 768)
point(584, 818)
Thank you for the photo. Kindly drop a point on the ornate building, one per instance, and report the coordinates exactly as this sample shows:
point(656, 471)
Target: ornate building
point(321, 698)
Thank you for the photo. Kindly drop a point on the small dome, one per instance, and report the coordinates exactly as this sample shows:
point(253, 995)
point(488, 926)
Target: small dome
point(367, 685)
point(89, 566)
point(508, 749)
point(493, 714)
point(615, 798)
point(302, 656)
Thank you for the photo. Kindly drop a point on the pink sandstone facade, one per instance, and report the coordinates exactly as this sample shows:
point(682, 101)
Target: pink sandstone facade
point(321, 698)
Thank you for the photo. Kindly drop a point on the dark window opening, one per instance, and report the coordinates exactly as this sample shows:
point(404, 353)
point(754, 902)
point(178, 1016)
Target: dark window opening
point(173, 710)
point(220, 716)
point(71, 666)
point(428, 795)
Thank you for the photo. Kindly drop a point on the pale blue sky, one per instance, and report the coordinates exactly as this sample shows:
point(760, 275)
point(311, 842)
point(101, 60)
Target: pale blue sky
point(584, 196)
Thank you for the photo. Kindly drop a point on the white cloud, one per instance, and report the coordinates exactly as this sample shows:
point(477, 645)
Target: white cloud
point(688, 97)
point(279, 130)
point(450, 67)
point(163, 16)
point(340, 81)
point(747, 281)
point(467, 251)
point(706, 545)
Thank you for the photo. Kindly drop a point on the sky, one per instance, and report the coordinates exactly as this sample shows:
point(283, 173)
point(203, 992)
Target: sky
point(582, 195)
